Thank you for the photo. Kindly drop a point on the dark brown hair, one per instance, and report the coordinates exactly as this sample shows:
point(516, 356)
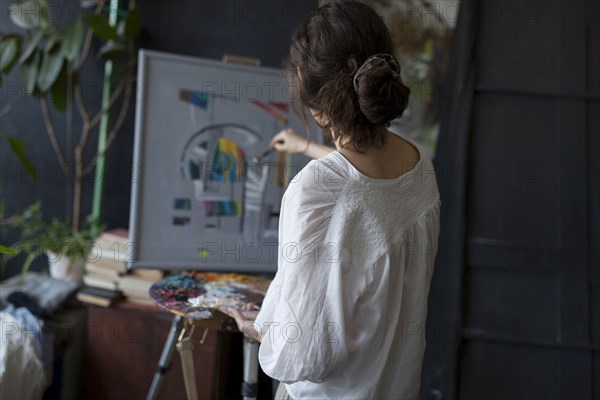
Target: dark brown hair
point(327, 50)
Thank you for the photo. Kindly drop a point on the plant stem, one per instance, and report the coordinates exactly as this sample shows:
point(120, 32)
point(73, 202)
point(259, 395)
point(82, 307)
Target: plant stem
point(88, 39)
point(104, 110)
point(53, 139)
point(77, 189)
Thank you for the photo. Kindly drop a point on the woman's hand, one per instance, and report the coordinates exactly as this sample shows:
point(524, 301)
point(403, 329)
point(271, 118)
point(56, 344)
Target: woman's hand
point(289, 141)
point(245, 322)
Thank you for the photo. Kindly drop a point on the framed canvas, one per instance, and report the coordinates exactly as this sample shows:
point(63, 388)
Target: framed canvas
point(202, 197)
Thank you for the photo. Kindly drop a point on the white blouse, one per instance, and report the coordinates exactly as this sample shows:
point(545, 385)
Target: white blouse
point(345, 314)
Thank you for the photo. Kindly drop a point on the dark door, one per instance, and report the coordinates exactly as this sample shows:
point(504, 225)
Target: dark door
point(515, 298)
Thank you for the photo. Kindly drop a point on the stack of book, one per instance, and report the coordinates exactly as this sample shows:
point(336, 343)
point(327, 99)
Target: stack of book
point(106, 272)
point(99, 297)
point(104, 267)
point(136, 285)
point(106, 261)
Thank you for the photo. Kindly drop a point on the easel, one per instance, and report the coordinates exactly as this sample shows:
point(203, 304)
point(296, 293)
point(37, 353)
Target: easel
point(182, 329)
point(180, 337)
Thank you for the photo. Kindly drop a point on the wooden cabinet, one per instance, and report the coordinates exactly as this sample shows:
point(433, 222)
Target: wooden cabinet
point(125, 342)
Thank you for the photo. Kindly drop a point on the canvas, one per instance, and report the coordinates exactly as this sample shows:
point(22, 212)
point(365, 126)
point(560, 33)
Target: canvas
point(203, 197)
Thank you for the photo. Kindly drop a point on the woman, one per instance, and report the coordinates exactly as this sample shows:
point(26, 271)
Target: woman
point(345, 314)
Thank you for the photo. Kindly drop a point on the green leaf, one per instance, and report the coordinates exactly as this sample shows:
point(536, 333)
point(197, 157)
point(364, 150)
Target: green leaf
point(18, 147)
point(59, 90)
point(133, 24)
point(31, 47)
point(27, 264)
point(72, 40)
point(10, 47)
point(88, 3)
point(52, 41)
point(101, 27)
point(7, 250)
point(51, 65)
point(30, 14)
point(29, 72)
point(112, 51)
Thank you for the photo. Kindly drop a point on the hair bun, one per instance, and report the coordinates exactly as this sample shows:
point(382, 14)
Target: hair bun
point(382, 96)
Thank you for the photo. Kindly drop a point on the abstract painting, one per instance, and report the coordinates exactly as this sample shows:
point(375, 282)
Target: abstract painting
point(204, 197)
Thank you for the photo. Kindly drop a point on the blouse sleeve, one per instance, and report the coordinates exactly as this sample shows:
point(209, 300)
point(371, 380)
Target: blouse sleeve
point(301, 317)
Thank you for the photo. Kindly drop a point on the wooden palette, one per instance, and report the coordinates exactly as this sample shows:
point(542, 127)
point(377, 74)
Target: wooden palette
point(197, 295)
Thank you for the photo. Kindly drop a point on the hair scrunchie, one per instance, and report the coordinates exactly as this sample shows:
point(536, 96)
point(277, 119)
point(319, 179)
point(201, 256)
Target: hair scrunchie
point(376, 61)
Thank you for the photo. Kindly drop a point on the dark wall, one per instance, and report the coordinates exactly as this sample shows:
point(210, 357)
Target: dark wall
point(209, 29)
point(261, 29)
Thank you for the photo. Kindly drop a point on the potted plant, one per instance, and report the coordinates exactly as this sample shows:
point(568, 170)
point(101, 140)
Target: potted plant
point(50, 59)
point(66, 251)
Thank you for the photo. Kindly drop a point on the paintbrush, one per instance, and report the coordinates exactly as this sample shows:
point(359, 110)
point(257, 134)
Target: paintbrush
point(266, 152)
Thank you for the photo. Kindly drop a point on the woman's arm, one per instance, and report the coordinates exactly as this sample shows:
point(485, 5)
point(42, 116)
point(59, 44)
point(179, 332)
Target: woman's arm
point(289, 141)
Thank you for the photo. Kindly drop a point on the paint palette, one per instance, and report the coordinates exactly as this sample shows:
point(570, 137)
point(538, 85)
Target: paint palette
point(196, 295)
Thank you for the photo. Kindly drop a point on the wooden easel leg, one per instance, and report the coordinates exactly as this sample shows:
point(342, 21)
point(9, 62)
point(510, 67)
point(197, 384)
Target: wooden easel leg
point(185, 347)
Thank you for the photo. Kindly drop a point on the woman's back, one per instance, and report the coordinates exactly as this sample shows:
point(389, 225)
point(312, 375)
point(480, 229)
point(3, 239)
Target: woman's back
point(355, 282)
